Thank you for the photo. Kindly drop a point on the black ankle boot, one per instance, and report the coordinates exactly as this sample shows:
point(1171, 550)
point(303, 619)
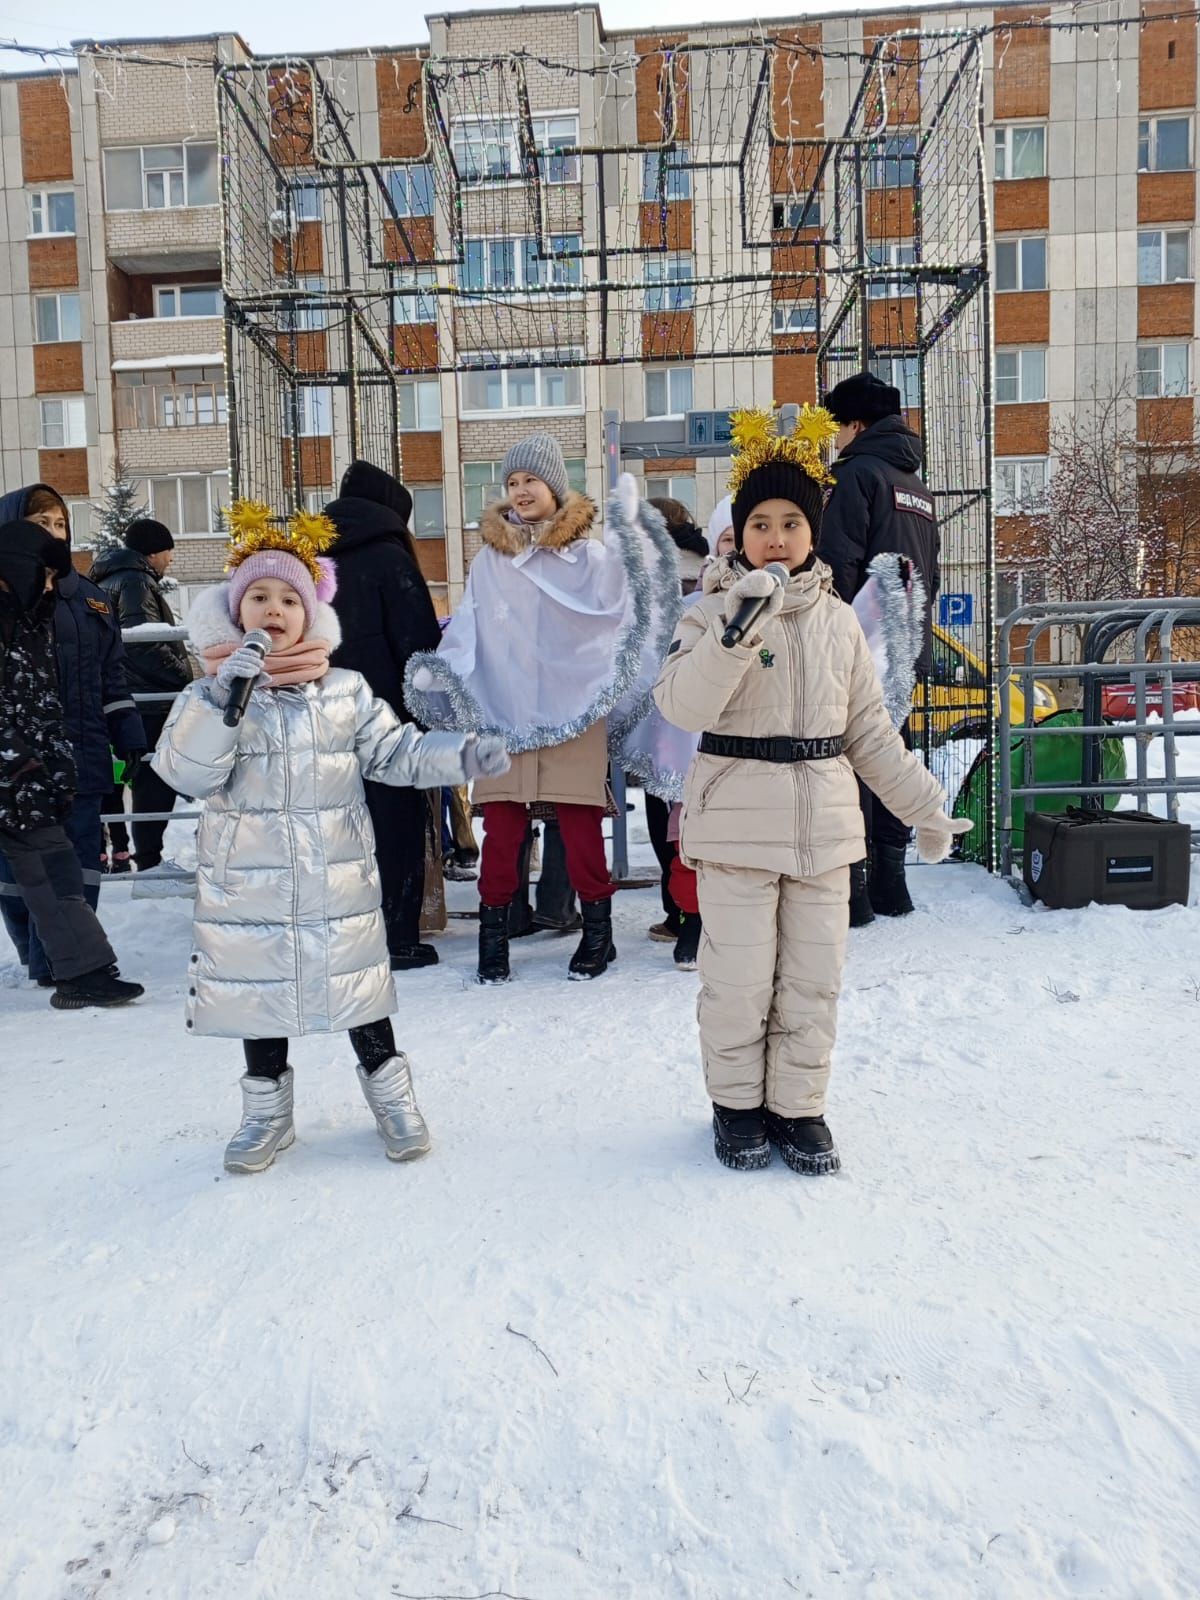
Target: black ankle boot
point(889, 891)
point(740, 1139)
point(493, 944)
point(805, 1143)
point(596, 948)
point(861, 911)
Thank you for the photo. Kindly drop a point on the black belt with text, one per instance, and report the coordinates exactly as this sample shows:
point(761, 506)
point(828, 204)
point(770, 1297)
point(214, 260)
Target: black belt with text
point(779, 750)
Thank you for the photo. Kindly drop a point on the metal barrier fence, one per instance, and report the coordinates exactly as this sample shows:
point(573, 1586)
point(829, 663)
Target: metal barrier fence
point(1151, 625)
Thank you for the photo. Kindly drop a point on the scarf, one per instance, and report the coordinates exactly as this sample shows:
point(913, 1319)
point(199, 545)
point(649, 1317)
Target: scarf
point(303, 662)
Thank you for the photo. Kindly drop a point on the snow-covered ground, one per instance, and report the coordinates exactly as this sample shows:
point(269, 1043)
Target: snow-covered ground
point(568, 1356)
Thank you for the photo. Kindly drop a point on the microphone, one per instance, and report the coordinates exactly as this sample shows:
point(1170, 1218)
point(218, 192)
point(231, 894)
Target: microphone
point(748, 613)
point(239, 696)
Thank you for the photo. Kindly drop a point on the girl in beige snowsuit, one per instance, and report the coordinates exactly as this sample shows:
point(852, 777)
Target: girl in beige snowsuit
point(771, 819)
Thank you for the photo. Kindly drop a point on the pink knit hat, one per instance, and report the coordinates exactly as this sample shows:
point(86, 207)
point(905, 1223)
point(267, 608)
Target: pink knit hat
point(289, 569)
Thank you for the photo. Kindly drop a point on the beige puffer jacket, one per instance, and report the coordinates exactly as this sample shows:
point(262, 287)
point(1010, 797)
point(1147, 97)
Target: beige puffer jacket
point(807, 675)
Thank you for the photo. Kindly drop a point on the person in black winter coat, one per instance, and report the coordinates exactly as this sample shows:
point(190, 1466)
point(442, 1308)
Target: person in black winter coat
point(98, 712)
point(879, 503)
point(384, 607)
point(37, 775)
point(131, 576)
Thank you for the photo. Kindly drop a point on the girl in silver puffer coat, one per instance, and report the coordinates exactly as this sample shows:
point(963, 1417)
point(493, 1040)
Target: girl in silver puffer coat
point(289, 937)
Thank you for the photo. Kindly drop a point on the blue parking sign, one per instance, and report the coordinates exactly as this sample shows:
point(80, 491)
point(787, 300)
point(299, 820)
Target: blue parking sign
point(956, 610)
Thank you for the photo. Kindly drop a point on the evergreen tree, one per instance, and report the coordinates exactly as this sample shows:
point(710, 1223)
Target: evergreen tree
point(119, 507)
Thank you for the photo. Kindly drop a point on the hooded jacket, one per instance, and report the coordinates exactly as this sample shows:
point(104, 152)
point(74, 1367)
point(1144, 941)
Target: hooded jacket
point(575, 772)
point(382, 601)
point(808, 675)
point(879, 503)
point(136, 595)
point(288, 937)
point(98, 709)
point(37, 770)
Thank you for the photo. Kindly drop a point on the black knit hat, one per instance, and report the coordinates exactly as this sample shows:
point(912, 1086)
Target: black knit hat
point(863, 398)
point(147, 537)
point(362, 480)
point(778, 480)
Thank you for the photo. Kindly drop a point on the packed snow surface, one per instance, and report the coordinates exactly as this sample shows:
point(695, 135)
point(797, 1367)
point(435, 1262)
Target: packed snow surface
point(569, 1357)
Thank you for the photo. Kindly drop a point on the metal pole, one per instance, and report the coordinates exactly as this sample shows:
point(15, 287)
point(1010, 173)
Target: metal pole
point(620, 831)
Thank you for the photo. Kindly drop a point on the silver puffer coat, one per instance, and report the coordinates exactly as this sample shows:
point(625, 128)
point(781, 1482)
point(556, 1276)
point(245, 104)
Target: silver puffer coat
point(288, 936)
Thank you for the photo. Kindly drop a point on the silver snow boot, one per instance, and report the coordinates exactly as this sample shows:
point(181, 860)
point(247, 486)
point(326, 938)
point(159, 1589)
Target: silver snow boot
point(389, 1093)
point(267, 1126)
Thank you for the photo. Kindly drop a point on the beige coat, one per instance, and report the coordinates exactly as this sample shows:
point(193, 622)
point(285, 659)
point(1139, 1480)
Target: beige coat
point(573, 773)
point(808, 675)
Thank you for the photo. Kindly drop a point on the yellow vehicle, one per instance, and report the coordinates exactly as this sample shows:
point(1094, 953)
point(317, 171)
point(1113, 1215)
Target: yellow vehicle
point(957, 694)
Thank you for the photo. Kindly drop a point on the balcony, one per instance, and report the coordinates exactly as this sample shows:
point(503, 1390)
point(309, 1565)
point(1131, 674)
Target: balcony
point(173, 239)
point(158, 339)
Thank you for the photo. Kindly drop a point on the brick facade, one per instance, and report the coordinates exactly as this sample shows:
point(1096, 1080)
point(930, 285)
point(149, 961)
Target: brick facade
point(46, 145)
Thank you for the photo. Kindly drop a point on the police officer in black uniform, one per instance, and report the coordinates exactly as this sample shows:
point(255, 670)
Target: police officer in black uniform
point(878, 503)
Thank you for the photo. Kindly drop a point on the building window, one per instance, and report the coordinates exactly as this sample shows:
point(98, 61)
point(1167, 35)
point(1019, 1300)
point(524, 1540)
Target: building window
point(1020, 265)
point(160, 177)
point(789, 213)
point(1164, 257)
point(1163, 371)
point(483, 485)
point(489, 151)
point(517, 381)
point(1020, 486)
point(429, 517)
point(80, 514)
point(893, 164)
point(904, 374)
point(1164, 144)
point(305, 316)
point(191, 505)
point(414, 303)
point(64, 424)
point(306, 202)
point(1019, 586)
point(682, 489)
point(666, 176)
point(410, 190)
point(794, 316)
point(56, 318)
point(52, 212)
point(668, 280)
point(187, 397)
point(314, 413)
point(420, 405)
point(668, 391)
point(187, 300)
point(891, 255)
point(498, 265)
point(1021, 151)
point(1020, 377)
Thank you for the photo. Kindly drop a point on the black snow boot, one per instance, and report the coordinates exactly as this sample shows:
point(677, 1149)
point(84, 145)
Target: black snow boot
point(889, 891)
point(740, 1139)
point(104, 987)
point(805, 1143)
point(493, 944)
point(861, 911)
point(687, 946)
point(409, 957)
point(596, 948)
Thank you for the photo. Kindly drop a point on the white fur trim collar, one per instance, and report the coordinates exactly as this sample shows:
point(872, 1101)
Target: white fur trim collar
point(209, 624)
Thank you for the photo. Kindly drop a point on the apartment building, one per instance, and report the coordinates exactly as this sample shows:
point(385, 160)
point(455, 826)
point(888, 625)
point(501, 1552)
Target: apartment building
point(111, 336)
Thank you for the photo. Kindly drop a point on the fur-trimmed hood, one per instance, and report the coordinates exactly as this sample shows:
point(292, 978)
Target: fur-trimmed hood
point(574, 520)
point(209, 624)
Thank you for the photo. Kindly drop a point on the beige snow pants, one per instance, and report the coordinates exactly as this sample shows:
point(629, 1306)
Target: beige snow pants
point(771, 967)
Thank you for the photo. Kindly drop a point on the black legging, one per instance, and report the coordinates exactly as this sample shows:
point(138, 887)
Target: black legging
point(658, 818)
point(373, 1045)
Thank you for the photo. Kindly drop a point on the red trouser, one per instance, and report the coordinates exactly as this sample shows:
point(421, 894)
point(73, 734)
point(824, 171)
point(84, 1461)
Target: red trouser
point(682, 885)
point(504, 825)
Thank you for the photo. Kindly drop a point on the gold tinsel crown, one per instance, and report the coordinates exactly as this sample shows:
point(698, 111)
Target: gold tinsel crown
point(756, 440)
point(254, 527)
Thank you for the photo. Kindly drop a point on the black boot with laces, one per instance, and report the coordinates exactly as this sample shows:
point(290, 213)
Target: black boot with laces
point(805, 1143)
point(740, 1138)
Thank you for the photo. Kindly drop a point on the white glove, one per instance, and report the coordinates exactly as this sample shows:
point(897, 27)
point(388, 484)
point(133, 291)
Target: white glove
point(752, 587)
point(486, 758)
point(626, 496)
point(243, 663)
point(935, 838)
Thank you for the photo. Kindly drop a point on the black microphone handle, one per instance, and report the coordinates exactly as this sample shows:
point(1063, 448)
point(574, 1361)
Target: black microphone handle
point(744, 618)
point(239, 699)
